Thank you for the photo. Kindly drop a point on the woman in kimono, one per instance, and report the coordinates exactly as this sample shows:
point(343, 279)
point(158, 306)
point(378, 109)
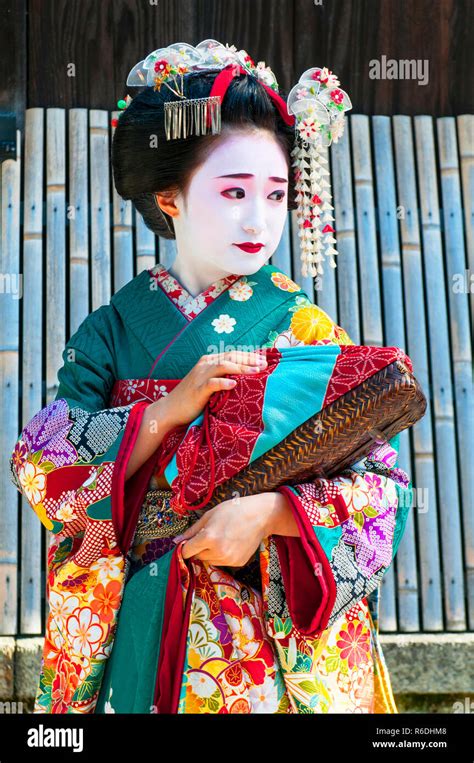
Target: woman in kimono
point(265, 604)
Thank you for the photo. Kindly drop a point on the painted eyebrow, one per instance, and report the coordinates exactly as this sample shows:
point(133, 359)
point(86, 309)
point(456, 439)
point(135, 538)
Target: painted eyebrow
point(248, 175)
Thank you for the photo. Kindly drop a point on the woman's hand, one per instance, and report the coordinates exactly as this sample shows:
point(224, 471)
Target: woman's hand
point(186, 401)
point(229, 533)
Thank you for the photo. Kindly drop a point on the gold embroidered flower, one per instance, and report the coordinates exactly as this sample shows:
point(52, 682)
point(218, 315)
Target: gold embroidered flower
point(310, 323)
point(194, 704)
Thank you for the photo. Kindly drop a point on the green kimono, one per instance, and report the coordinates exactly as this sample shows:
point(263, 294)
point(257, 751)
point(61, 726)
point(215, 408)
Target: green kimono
point(248, 640)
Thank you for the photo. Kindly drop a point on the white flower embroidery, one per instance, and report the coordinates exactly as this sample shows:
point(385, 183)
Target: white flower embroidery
point(217, 288)
point(170, 285)
point(287, 339)
point(195, 305)
point(131, 389)
point(308, 128)
point(337, 129)
point(62, 606)
point(241, 291)
point(264, 697)
point(224, 324)
point(181, 299)
point(85, 631)
point(107, 568)
point(66, 511)
point(201, 683)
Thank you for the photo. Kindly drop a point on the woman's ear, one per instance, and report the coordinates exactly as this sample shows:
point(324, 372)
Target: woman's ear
point(166, 200)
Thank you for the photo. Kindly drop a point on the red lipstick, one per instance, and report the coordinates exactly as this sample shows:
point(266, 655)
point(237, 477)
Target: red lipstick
point(248, 247)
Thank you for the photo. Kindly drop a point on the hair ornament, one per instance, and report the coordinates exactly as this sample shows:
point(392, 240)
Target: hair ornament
point(318, 104)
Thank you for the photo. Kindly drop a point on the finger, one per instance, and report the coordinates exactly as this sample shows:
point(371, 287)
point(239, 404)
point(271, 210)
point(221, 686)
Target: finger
point(243, 356)
point(192, 529)
point(228, 367)
point(195, 545)
point(237, 356)
point(207, 555)
point(216, 384)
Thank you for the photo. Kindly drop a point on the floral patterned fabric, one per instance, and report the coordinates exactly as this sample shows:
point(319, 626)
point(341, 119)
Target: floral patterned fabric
point(245, 650)
point(188, 305)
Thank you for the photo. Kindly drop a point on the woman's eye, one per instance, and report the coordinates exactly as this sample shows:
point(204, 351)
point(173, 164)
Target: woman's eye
point(281, 195)
point(235, 190)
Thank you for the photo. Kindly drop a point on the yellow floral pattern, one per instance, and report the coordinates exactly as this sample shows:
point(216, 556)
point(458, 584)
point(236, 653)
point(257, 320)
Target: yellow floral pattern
point(311, 324)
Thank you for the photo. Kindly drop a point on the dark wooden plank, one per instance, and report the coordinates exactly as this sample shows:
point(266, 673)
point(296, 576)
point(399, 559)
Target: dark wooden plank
point(13, 60)
point(70, 53)
point(264, 28)
point(102, 41)
point(105, 39)
point(139, 28)
point(347, 36)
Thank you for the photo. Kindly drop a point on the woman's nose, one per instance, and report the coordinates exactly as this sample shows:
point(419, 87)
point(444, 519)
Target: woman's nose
point(255, 223)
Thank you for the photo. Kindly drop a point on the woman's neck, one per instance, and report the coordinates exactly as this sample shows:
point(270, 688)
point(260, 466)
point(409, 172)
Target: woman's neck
point(195, 277)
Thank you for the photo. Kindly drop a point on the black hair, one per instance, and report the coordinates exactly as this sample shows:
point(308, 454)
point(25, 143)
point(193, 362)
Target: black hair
point(144, 162)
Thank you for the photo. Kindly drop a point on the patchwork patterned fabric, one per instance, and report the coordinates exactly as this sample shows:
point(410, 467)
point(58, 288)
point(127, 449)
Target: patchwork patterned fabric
point(64, 463)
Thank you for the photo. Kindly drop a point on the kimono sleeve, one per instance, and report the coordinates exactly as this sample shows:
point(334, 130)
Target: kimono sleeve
point(350, 529)
point(350, 525)
point(71, 457)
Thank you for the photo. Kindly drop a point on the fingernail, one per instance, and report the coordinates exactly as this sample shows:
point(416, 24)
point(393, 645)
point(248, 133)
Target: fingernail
point(177, 538)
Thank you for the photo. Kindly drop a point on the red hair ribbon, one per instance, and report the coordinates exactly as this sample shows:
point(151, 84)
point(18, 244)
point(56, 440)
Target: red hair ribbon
point(225, 77)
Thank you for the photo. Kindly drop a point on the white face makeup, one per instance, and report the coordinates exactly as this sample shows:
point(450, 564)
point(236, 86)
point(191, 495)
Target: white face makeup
point(247, 206)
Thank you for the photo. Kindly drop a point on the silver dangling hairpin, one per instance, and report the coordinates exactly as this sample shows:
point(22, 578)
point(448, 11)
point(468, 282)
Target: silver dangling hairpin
point(190, 117)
